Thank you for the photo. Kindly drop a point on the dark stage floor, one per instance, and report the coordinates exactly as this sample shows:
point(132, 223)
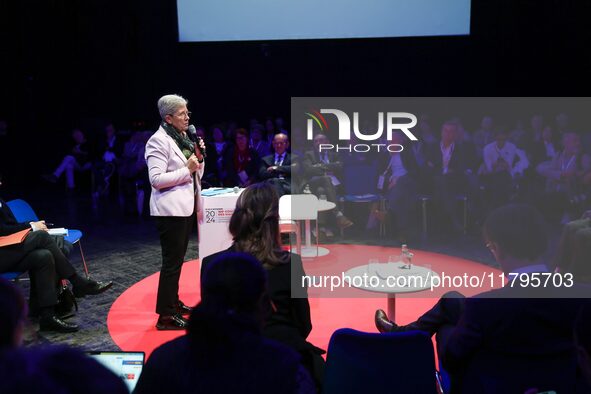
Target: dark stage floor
point(125, 249)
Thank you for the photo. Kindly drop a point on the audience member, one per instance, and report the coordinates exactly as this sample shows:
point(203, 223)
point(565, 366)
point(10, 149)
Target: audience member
point(484, 340)
point(425, 131)
point(109, 149)
point(255, 229)
point(133, 174)
point(77, 160)
point(400, 187)
point(40, 255)
point(563, 124)
point(241, 163)
point(260, 146)
point(56, 369)
point(504, 165)
point(518, 136)
point(223, 350)
point(276, 168)
point(447, 166)
point(280, 126)
point(270, 130)
point(545, 148)
point(321, 172)
point(537, 128)
point(13, 315)
point(564, 175)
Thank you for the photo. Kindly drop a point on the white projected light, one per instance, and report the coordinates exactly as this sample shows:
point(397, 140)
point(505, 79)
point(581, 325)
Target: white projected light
point(251, 20)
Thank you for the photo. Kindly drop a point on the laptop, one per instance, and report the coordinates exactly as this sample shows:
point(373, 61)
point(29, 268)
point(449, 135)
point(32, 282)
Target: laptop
point(127, 365)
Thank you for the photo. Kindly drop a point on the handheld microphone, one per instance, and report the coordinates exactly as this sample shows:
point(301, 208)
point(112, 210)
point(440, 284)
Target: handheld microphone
point(192, 131)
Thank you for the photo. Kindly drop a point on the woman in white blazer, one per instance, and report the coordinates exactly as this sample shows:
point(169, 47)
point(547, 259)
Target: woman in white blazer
point(175, 170)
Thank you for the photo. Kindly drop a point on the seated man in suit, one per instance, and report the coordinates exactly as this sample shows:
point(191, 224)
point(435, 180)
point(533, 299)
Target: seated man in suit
point(276, 168)
point(40, 255)
point(321, 171)
point(447, 166)
point(482, 340)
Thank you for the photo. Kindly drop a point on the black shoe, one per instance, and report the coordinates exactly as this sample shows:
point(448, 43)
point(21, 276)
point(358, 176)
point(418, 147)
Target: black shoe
point(173, 322)
point(53, 323)
point(383, 324)
point(183, 309)
point(92, 288)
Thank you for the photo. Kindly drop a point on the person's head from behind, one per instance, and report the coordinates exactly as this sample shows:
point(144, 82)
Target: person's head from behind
point(233, 287)
point(13, 314)
point(516, 235)
point(255, 223)
point(583, 341)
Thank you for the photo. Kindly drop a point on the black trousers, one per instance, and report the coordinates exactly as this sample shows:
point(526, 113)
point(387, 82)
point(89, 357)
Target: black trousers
point(45, 262)
point(441, 319)
point(174, 238)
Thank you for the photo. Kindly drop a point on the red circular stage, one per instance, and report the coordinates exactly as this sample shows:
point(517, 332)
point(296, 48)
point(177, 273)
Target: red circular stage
point(131, 319)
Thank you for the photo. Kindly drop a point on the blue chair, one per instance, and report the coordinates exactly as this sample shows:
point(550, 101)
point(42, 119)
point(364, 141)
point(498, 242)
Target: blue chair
point(23, 212)
point(360, 362)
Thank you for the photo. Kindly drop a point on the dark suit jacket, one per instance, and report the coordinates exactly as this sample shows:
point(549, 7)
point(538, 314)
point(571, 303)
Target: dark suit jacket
point(507, 343)
point(313, 166)
point(284, 169)
point(290, 323)
point(458, 163)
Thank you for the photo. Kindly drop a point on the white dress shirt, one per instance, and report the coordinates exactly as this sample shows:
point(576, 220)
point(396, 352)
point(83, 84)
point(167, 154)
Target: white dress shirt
point(510, 153)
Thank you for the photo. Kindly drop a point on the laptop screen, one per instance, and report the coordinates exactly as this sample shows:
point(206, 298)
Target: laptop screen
point(127, 365)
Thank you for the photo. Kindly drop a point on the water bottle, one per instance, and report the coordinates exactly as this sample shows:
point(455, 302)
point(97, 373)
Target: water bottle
point(307, 189)
point(405, 256)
